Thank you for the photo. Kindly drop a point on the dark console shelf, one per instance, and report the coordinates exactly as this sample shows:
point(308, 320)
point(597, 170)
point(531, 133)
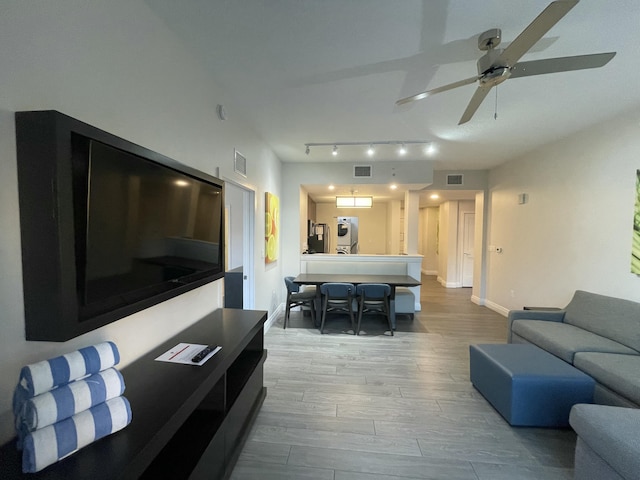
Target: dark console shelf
point(187, 421)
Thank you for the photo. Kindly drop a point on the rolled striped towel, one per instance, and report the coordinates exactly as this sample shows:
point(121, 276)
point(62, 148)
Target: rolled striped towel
point(67, 400)
point(42, 376)
point(47, 445)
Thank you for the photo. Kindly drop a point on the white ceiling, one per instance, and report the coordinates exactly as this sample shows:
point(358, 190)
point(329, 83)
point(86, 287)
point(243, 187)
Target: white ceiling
point(315, 71)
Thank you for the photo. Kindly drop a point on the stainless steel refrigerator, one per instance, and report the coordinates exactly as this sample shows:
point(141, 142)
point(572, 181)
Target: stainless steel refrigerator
point(319, 239)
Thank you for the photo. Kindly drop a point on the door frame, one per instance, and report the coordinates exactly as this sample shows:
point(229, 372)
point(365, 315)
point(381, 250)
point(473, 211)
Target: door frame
point(248, 240)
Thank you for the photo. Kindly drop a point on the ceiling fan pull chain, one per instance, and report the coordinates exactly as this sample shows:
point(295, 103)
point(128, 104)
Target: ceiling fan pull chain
point(495, 112)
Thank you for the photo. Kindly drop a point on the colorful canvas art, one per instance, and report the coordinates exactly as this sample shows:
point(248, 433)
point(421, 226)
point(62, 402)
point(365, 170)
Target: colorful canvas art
point(635, 246)
point(272, 227)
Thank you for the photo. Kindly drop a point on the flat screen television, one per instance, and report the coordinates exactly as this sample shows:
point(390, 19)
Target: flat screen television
point(108, 227)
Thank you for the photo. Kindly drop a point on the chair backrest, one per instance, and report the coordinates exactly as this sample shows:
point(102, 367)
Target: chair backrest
point(338, 290)
point(292, 287)
point(373, 291)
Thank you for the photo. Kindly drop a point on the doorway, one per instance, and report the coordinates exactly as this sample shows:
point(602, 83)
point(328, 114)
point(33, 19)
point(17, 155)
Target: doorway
point(240, 233)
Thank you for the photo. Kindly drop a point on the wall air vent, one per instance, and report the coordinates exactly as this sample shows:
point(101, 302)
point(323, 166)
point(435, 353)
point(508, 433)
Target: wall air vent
point(239, 163)
point(455, 179)
point(362, 171)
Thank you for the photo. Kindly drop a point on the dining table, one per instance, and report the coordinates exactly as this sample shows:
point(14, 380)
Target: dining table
point(393, 281)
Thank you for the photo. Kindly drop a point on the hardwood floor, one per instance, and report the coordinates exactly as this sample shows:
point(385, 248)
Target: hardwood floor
point(375, 407)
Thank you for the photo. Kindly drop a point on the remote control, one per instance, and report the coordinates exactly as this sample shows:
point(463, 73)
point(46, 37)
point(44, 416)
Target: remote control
point(201, 354)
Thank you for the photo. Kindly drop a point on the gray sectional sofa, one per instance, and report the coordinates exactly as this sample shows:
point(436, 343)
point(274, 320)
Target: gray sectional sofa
point(598, 335)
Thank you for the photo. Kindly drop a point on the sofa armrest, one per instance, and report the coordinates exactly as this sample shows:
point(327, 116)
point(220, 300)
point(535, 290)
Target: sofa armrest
point(546, 315)
point(612, 433)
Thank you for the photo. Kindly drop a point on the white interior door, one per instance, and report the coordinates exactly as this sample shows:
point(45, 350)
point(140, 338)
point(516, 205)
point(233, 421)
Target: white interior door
point(468, 238)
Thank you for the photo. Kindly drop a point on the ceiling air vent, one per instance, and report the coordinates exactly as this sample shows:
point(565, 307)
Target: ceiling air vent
point(362, 171)
point(454, 179)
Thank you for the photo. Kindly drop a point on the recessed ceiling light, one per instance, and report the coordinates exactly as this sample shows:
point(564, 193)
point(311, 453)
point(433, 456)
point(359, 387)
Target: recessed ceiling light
point(402, 150)
point(370, 151)
point(430, 150)
point(335, 150)
point(331, 187)
point(181, 183)
point(393, 186)
point(434, 196)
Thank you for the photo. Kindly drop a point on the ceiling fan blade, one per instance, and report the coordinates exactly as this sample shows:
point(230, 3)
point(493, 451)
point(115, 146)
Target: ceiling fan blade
point(536, 30)
point(561, 64)
point(475, 102)
point(444, 88)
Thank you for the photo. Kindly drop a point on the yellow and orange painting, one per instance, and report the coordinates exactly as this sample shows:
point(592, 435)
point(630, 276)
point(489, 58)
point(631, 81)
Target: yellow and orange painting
point(272, 227)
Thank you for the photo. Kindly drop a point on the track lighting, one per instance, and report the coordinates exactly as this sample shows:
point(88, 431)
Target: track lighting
point(427, 147)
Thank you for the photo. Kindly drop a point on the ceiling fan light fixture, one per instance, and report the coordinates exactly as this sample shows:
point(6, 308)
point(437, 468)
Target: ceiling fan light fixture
point(498, 65)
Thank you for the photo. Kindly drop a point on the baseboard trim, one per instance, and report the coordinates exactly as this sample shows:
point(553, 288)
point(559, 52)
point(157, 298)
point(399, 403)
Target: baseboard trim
point(445, 284)
point(497, 308)
point(477, 300)
point(271, 319)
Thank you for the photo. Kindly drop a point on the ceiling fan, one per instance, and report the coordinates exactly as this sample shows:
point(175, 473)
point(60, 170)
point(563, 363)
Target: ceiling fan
point(498, 65)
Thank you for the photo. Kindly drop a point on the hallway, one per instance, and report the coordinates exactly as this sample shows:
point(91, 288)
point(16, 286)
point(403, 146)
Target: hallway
point(378, 407)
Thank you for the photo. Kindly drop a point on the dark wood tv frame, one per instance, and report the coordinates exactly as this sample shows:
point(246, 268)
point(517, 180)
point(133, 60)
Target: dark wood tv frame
point(187, 421)
point(47, 227)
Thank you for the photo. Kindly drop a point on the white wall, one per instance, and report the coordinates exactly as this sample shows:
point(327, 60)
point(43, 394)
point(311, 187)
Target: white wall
point(429, 226)
point(575, 231)
point(114, 65)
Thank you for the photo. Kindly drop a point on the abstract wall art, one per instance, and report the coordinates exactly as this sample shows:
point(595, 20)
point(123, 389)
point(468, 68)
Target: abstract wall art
point(272, 227)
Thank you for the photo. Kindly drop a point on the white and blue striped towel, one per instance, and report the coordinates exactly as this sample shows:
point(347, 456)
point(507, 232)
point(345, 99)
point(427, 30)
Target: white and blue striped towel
point(67, 400)
point(54, 442)
point(42, 376)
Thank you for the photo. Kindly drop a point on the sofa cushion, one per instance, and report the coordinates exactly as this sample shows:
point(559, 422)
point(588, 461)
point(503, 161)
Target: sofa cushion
point(619, 372)
point(610, 317)
point(611, 432)
point(565, 340)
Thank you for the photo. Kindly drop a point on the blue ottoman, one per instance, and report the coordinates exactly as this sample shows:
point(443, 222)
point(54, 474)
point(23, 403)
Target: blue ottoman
point(527, 385)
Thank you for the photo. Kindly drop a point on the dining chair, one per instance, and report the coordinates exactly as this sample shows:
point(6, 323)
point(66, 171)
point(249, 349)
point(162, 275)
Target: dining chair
point(337, 297)
point(297, 297)
point(373, 298)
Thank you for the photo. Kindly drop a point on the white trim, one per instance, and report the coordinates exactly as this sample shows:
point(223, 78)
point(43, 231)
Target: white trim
point(271, 319)
point(442, 282)
point(477, 300)
point(497, 308)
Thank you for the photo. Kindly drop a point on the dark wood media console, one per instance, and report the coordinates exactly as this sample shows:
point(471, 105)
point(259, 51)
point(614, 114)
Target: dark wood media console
point(187, 421)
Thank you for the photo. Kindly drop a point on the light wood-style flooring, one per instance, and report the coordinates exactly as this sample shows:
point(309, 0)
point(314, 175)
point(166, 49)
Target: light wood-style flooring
point(374, 407)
